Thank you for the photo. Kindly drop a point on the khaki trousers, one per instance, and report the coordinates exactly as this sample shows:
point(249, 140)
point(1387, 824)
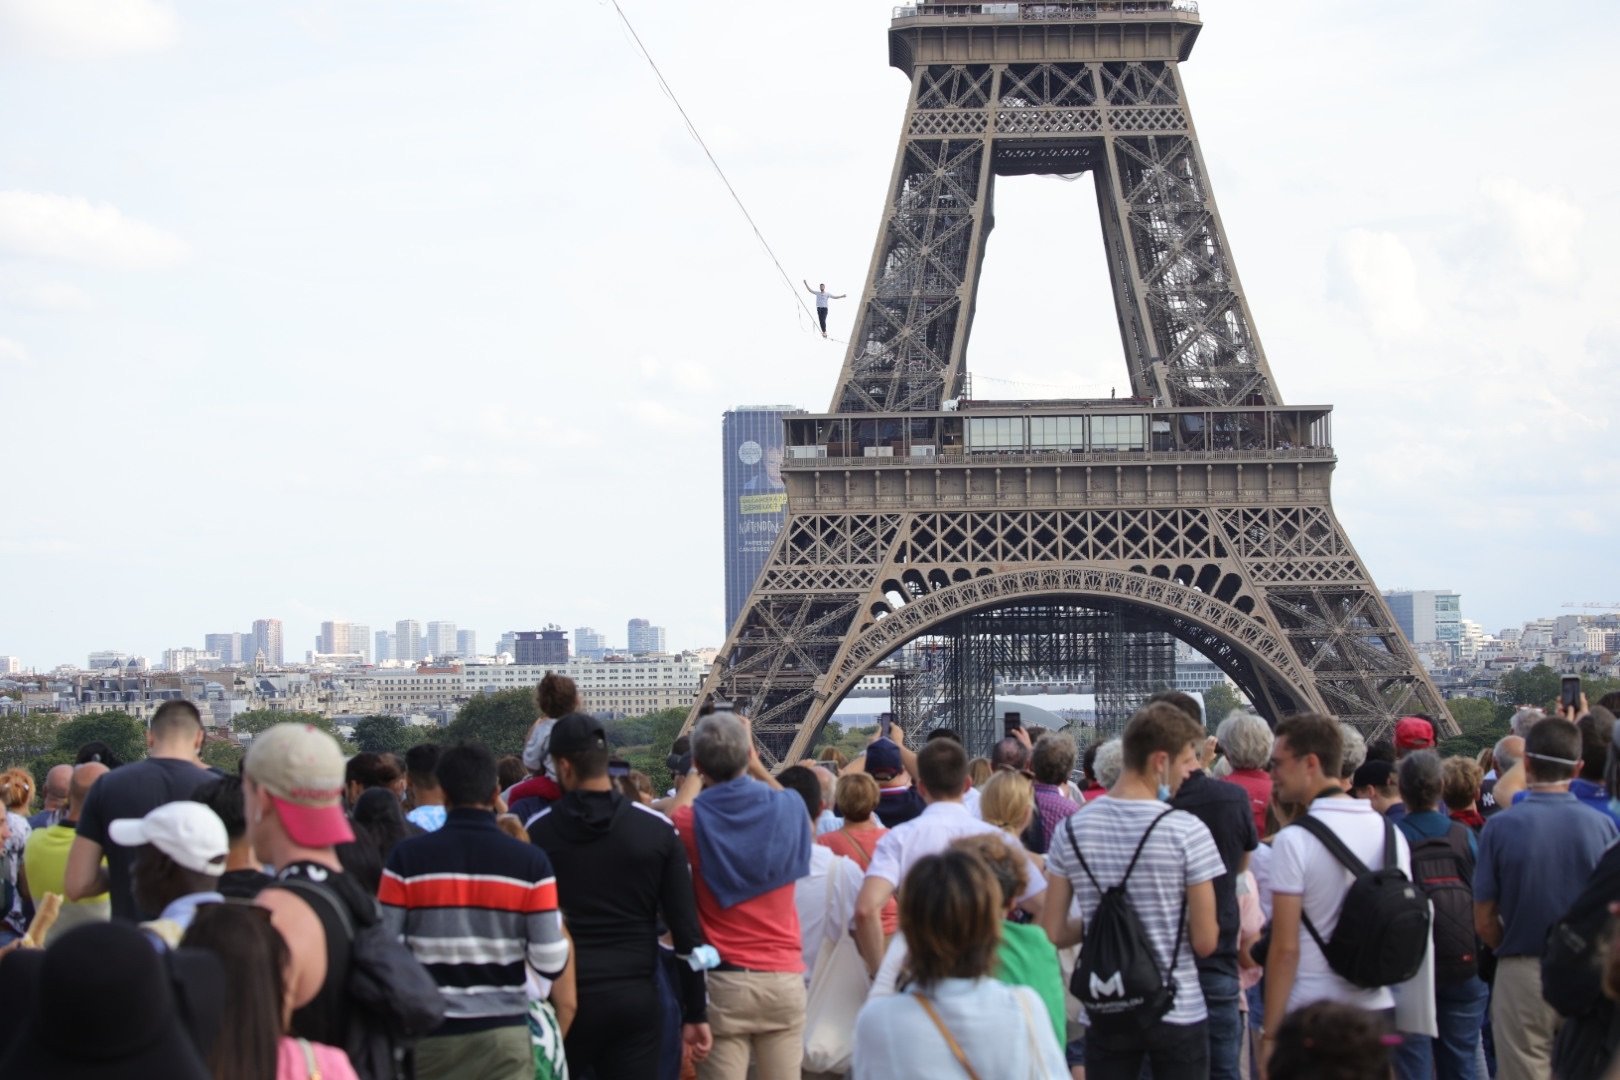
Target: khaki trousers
point(502, 1053)
point(1523, 1023)
point(758, 1015)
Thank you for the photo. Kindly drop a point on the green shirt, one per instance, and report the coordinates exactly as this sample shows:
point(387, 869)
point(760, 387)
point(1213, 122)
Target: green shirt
point(1027, 958)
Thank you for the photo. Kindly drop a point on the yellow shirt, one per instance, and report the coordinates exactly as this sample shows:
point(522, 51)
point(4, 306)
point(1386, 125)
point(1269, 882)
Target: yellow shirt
point(45, 860)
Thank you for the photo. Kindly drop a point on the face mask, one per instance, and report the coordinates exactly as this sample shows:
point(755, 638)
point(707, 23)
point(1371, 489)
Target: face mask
point(1164, 788)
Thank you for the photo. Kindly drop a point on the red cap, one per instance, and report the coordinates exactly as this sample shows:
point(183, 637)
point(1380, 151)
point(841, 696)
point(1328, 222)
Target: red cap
point(1414, 733)
point(313, 826)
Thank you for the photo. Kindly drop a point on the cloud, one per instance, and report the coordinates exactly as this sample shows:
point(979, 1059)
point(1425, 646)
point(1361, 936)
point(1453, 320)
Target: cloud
point(1384, 274)
point(75, 230)
point(659, 416)
point(1544, 224)
point(13, 355)
point(25, 292)
point(87, 29)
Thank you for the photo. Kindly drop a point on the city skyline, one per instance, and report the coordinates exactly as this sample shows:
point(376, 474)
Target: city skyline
point(1471, 347)
point(295, 657)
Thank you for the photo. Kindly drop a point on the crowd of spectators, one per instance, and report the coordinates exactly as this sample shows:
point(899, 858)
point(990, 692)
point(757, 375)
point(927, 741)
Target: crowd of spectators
point(1176, 902)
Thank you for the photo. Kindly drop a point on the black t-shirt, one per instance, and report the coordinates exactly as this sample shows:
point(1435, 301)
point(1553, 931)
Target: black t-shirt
point(133, 791)
point(1224, 809)
point(243, 884)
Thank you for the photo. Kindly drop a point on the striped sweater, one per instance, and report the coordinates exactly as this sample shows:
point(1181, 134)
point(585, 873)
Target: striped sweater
point(475, 905)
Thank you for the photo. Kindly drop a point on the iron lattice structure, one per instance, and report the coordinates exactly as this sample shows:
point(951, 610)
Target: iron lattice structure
point(1197, 508)
point(948, 678)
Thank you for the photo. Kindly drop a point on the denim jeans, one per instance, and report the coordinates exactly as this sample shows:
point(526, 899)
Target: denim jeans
point(1174, 1052)
point(1460, 1011)
point(1225, 1023)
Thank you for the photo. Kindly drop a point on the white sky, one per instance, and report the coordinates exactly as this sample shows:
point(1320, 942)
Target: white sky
point(382, 309)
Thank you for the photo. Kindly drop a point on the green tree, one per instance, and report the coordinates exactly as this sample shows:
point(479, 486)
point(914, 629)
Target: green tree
point(26, 737)
point(224, 754)
point(655, 734)
point(124, 734)
point(256, 720)
point(1481, 724)
point(500, 721)
point(1219, 702)
point(381, 734)
point(1537, 686)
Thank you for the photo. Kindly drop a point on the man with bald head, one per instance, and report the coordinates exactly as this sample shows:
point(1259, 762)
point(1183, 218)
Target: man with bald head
point(45, 857)
point(55, 794)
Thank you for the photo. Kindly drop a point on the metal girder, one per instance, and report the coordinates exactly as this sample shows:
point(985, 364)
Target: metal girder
point(1220, 533)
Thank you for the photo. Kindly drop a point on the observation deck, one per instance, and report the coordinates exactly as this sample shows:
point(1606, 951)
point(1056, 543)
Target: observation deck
point(959, 32)
point(1058, 453)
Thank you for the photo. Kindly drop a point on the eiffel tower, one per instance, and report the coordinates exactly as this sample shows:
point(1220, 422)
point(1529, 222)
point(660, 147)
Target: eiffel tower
point(1198, 507)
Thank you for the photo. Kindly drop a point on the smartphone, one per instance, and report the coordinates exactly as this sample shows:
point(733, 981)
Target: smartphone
point(617, 768)
point(1569, 692)
point(1012, 722)
point(885, 724)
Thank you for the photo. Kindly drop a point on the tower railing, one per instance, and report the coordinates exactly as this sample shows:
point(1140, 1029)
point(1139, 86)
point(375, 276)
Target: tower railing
point(1029, 12)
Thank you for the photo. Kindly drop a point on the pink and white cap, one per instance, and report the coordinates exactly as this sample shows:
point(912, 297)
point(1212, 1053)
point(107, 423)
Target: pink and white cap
point(302, 769)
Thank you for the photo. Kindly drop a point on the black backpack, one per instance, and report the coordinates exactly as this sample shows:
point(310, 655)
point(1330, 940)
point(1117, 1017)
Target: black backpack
point(1383, 930)
point(393, 1001)
point(1117, 977)
point(1443, 868)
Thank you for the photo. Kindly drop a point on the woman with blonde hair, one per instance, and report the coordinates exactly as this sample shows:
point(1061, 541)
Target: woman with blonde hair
point(17, 797)
point(1008, 802)
point(979, 771)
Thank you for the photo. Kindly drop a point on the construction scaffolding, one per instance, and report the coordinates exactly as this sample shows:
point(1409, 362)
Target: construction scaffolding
point(948, 679)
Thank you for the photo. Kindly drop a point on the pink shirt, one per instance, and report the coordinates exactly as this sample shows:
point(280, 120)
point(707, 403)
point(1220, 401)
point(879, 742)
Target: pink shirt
point(1257, 782)
point(293, 1064)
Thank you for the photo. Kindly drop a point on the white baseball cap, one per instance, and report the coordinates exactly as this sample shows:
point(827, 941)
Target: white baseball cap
point(188, 832)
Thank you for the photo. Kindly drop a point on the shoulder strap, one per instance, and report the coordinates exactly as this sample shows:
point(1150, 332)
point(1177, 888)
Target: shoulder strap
point(1347, 858)
point(950, 1040)
point(867, 855)
point(309, 890)
point(310, 1067)
point(1142, 843)
point(1068, 829)
point(1391, 850)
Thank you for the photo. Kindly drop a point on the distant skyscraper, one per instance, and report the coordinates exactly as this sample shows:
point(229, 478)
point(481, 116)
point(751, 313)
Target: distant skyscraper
point(267, 640)
point(507, 643)
point(230, 648)
point(441, 639)
point(588, 644)
point(10, 665)
point(408, 641)
point(360, 641)
point(385, 647)
point(336, 637)
point(644, 637)
point(1427, 616)
point(548, 646)
point(755, 497)
point(106, 658)
point(467, 644)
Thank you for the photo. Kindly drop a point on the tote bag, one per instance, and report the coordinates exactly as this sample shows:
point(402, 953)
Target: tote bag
point(837, 989)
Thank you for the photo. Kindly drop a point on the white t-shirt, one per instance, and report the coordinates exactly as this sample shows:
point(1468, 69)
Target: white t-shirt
point(810, 899)
point(931, 832)
point(822, 299)
point(1301, 866)
point(1180, 853)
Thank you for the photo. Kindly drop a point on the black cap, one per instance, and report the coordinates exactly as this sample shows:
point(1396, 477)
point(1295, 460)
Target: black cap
point(577, 733)
point(1374, 774)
